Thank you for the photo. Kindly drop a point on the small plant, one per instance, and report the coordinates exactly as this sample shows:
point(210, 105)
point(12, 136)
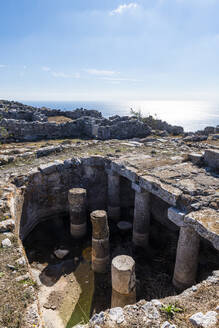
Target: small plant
point(1, 274)
point(171, 309)
point(28, 282)
point(136, 114)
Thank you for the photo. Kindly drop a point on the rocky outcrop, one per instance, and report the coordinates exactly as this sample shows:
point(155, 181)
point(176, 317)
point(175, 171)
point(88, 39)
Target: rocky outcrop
point(26, 123)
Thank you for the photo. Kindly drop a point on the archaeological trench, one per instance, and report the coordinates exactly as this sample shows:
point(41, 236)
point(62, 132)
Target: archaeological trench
point(75, 217)
point(109, 233)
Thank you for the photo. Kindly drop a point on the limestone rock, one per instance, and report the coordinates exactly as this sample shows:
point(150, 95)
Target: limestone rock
point(207, 320)
point(6, 243)
point(166, 324)
point(61, 253)
point(7, 225)
point(151, 311)
point(116, 314)
point(195, 158)
point(21, 261)
point(211, 158)
point(97, 319)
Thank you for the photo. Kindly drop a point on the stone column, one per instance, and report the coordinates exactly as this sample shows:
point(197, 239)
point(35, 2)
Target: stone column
point(100, 241)
point(141, 221)
point(186, 258)
point(77, 209)
point(113, 196)
point(123, 281)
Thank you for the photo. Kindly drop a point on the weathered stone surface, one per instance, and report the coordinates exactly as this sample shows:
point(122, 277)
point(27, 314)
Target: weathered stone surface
point(45, 151)
point(166, 324)
point(100, 241)
point(61, 253)
point(21, 261)
point(7, 225)
point(6, 243)
point(209, 130)
point(116, 314)
point(176, 216)
point(211, 158)
point(195, 158)
point(206, 224)
point(207, 320)
point(215, 137)
point(28, 123)
point(195, 138)
point(123, 274)
point(186, 258)
point(162, 190)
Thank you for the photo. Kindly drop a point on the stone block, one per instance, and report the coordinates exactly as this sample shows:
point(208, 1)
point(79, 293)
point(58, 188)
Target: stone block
point(7, 225)
point(176, 216)
point(208, 320)
point(211, 158)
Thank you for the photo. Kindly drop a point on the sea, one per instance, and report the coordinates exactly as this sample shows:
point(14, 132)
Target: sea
point(191, 115)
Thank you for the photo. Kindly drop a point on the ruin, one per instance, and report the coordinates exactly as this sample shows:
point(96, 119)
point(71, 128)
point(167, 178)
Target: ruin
point(65, 194)
point(113, 233)
point(123, 281)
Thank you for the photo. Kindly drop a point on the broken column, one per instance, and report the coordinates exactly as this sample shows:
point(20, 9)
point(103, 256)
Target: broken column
point(113, 195)
point(186, 258)
point(123, 281)
point(100, 241)
point(141, 221)
point(77, 209)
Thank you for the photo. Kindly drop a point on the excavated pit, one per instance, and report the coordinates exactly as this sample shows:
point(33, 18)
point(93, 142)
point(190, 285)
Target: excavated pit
point(70, 292)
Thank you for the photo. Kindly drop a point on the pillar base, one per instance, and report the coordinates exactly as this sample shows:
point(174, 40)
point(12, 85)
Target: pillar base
point(119, 300)
point(182, 286)
point(78, 230)
point(123, 274)
point(100, 265)
point(186, 258)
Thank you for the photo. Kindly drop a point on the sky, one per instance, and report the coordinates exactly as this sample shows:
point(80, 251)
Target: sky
point(109, 50)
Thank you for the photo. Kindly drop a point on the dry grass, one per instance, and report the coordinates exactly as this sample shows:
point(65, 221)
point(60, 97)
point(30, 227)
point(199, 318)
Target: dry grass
point(59, 119)
point(203, 300)
point(13, 297)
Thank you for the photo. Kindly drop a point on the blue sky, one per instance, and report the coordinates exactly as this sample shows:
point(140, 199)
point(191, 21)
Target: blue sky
point(109, 49)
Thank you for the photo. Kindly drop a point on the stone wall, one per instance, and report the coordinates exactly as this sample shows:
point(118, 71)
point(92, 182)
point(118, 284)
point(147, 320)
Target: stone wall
point(26, 123)
point(83, 127)
point(46, 190)
point(33, 131)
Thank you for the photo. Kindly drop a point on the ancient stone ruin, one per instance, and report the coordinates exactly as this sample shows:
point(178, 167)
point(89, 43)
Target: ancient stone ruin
point(63, 196)
point(113, 240)
point(26, 123)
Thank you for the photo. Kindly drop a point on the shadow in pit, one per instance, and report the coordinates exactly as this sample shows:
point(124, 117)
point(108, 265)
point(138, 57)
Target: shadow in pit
point(53, 272)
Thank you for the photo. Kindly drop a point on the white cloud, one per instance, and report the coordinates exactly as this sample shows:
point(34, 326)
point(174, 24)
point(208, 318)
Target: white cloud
point(65, 76)
point(112, 79)
point(46, 69)
point(98, 72)
point(122, 8)
point(60, 74)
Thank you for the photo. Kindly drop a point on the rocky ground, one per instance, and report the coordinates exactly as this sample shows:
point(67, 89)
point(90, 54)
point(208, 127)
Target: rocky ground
point(18, 290)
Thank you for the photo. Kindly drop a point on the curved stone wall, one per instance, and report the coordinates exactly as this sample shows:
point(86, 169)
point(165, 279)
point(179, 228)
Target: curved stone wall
point(46, 190)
